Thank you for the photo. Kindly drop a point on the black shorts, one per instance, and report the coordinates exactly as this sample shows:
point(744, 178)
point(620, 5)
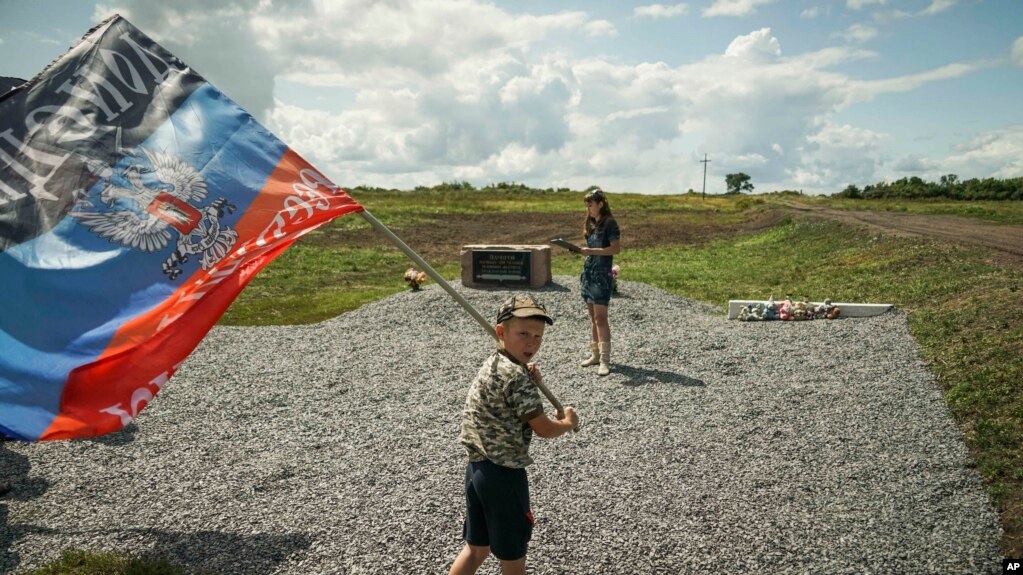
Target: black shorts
point(497, 509)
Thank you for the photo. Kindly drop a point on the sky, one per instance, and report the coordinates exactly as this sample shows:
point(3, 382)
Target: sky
point(806, 95)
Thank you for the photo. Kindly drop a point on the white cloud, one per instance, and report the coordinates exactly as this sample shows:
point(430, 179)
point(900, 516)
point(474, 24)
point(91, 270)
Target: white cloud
point(560, 120)
point(242, 45)
point(892, 16)
point(938, 6)
point(733, 7)
point(839, 155)
point(863, 91)
point(911, 165)
point(660, 10)
point(600, 28)
point(514, 162)
point(935, 7)
point(751, 106)
point(992, 154)
point(1017, 51)
point(810, 13)
point(461, 119)
point(436, 90)
point(755, 47)
point(997, 153)
point(829, 57)
point(858, 33)
point(860, 4)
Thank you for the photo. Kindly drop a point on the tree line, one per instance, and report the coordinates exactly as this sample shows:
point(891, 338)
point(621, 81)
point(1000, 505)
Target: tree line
point(463, 186)
point(948, 187)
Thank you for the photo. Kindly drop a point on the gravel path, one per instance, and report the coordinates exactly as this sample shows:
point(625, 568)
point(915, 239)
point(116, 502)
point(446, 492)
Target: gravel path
point(714, 446)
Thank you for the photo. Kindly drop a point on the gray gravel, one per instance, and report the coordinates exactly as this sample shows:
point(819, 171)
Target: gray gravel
point(715, 446)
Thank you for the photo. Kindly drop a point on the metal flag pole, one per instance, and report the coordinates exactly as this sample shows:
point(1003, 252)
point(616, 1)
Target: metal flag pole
point(380, 227)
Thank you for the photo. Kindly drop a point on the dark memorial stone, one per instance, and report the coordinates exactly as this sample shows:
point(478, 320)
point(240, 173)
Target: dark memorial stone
point(506, 265)
point(501, 267)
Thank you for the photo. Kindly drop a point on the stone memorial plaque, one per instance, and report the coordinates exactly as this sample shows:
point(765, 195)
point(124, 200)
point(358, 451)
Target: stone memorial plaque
point(502, 267)
point(506, 265)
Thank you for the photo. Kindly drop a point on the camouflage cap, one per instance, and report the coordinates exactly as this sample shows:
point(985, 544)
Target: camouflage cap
point(523, 305)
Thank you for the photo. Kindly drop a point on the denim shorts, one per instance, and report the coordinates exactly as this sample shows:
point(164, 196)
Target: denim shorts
point(596, 285)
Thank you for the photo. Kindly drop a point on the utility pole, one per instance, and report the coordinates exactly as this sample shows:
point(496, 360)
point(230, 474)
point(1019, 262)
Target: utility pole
point(704, 161)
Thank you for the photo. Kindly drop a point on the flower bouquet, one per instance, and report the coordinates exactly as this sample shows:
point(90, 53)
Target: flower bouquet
point(614, 279)
point(415, 278)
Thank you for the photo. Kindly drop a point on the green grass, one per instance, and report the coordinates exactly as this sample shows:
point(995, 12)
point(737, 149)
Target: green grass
point(819, 259)
point(965, 311)
point(89, 563)
point(306, 284)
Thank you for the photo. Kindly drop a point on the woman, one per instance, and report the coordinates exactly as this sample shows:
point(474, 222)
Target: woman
point(602, 243)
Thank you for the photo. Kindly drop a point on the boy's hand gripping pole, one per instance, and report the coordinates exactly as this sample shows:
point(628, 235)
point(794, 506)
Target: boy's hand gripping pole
point(380, 227)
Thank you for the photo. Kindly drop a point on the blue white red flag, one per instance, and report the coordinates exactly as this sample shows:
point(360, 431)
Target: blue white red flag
point(136, 201)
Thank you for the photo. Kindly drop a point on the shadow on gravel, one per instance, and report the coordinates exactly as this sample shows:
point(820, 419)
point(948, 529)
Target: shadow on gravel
point(15, 484)
point(642, 376)
point(556, 287)
point(222, 553)
point(118, 438)
point(204, 551)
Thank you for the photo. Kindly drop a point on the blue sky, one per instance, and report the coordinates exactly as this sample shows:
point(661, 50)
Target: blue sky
point(809, 95)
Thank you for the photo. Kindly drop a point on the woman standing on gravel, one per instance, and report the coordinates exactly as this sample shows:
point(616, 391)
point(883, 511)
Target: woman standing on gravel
point(602, 244)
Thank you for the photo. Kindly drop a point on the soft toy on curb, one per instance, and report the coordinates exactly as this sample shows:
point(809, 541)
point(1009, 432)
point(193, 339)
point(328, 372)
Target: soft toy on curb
point(752, 312)
point(785, 309)
point(801, 310)
point(788, 310)
point(827, 310)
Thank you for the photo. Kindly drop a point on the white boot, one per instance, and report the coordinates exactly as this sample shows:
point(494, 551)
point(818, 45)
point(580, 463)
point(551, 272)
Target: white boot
point(594, 356)
point(605, 358)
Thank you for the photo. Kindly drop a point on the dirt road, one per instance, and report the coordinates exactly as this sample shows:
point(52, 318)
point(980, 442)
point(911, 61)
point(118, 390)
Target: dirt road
point(1007, 239)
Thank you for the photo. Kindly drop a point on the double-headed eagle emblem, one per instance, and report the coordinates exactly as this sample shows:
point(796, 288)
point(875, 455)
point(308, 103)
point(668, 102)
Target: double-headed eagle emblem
point(146, 198)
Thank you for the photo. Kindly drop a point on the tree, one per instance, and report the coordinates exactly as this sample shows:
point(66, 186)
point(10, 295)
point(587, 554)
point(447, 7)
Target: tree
point(850, 191)
point(738, 183)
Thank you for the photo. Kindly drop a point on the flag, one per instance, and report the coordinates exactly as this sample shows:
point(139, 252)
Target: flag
point(136, 202)
point(6, 83)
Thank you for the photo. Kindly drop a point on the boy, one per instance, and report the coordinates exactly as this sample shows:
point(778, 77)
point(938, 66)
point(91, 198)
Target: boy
point(501, 412)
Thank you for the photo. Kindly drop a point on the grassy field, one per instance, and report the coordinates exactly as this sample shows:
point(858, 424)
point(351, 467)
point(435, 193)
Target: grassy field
point(963, 308)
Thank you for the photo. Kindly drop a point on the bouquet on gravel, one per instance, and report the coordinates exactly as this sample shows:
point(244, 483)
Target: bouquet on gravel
point(415, 278)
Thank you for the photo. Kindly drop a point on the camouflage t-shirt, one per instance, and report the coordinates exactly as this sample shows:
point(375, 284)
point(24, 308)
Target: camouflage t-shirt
point(501, 400)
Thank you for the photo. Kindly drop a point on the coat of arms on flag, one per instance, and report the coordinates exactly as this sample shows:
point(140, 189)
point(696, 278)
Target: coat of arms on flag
point(147, 203)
